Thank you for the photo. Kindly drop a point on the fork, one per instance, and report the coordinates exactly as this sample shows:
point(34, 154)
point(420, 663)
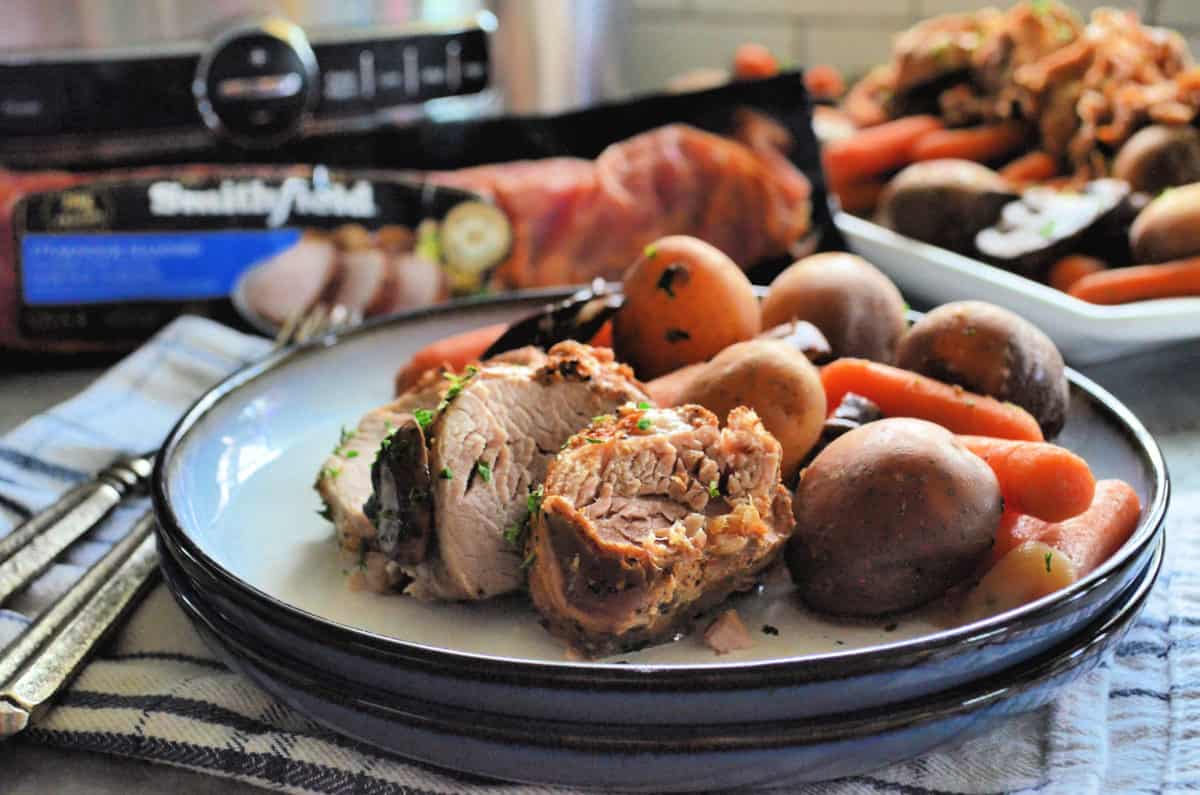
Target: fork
point(48, 654)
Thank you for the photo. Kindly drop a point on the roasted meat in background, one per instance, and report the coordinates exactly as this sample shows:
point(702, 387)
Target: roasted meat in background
point(649, 518)
point(574, 220)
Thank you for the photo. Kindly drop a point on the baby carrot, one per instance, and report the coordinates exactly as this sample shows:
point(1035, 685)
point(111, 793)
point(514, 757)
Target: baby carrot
point(858, 197)
point(1071, 268)
point(1035, 166)
point(1093, 536)
point(1140, 283)
point(824, 81)
point(603, 338)
point(902, 393)
point(667, 390)
point(753, 61)
point(875, 150)
point(1037, 478)
point(451, 353)
point(1087, 539)
point(981, 144)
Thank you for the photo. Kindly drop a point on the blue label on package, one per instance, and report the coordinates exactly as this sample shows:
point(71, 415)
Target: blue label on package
point(92, 268)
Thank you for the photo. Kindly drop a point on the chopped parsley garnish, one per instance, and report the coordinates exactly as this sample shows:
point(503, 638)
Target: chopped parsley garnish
point(484, 471)
point(593, 440)
point(1047, 229)
point(1049, 557)
point(643, 424)
point(332, 472)
point(651, 251)
point(348, 435)
point(534, 501)
point(424, 418)
point(446, 474)
point(770, 630)
point(677, 335)
point(514, 535)
point(970, 331)
point(643, 405)
point(351, 454)
point(714, 489)
point(457, 382)
point(530, 559)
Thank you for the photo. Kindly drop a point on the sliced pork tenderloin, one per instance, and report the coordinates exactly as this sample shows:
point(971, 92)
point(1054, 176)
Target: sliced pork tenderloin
point(650, 518)
point(291, 281)
point(490, 439)
point(363, 285)
point(344, 481)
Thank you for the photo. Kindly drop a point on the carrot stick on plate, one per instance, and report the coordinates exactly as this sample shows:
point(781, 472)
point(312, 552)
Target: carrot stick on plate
point(451, 353)
point(875, 150)
point(858, 197)
point(1036, 478)
point(1140, 283)
point(1087, 539)
point(903, 393)
point(981, 144)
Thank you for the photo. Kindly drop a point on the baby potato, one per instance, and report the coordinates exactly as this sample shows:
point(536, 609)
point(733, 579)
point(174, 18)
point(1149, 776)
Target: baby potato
point(855, 306)
point(989, 350)
point(685, 301)
point(889, 516)
point(775, 380)
point(1023, 575)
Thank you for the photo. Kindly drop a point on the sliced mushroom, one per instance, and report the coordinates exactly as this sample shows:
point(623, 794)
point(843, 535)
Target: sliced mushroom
point(1045, 225)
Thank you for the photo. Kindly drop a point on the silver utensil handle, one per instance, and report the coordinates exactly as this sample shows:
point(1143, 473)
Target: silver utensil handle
point(29, 549)
point(51, 652)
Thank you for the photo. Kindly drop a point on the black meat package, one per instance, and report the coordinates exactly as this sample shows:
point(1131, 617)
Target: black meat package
point(407, 216)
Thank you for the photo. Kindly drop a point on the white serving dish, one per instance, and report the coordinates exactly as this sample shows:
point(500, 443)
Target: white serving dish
point(1085, 333)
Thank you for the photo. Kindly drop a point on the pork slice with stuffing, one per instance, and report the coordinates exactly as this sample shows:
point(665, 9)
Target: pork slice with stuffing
point(489, 440)
point(649, 518)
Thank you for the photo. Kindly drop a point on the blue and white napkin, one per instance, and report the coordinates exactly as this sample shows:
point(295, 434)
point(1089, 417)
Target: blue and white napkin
point(157, 693)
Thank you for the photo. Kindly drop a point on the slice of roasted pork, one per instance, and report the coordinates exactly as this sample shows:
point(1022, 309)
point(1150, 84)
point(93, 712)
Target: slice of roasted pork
point(363, 284)
point(292, 280)
point(344, 481)
point(651, 517)
point(448, 517)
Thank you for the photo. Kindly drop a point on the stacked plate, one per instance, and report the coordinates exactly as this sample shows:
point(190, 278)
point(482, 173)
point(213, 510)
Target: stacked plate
point(483, 689)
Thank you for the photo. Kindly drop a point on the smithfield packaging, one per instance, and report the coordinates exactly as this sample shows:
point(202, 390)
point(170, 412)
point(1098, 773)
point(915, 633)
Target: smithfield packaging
point(401, 218)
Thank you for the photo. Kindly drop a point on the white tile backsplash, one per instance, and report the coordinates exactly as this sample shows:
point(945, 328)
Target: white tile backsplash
point(852, 49)
point(672, 36)
point(1179, 12)
point(661, 49)
point(813, 8)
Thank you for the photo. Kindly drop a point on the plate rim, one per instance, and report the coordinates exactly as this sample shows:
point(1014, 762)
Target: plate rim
point(895, 654)
point(963, 699)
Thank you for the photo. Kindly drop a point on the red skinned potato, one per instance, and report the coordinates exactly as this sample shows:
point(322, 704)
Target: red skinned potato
point(685, 301)
point(775, 380)
point(856, 307)
point(991, 351)
point(889, 516)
